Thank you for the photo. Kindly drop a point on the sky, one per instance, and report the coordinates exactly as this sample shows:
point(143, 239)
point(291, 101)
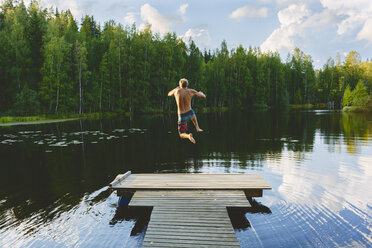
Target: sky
point(320, 28)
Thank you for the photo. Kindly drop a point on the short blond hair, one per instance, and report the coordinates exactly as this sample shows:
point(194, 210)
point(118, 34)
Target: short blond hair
point(184, 83)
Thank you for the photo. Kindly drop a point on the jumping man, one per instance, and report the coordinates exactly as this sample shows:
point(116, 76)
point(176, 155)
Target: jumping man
point(183, 97)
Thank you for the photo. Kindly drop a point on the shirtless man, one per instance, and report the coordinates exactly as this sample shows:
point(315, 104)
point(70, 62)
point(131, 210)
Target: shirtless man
point(183, 97)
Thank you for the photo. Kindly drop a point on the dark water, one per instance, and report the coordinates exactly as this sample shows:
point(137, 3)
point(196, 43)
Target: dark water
point(54, 177)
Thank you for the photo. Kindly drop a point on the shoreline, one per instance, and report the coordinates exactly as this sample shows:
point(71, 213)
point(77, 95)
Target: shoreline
point(36, 122)
point(356, 109)
point(31, 120)
point(42, 119)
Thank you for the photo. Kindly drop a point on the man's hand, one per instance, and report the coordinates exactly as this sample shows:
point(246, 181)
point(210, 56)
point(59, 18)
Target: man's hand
point(200, 94)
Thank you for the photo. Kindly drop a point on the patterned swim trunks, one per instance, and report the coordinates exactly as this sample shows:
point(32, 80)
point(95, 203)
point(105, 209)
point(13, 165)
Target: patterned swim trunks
point(183, 119)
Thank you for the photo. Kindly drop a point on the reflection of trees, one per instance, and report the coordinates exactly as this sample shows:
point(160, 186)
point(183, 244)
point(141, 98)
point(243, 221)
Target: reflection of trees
point(356, 127)
point(33, 179)
point(252, 137)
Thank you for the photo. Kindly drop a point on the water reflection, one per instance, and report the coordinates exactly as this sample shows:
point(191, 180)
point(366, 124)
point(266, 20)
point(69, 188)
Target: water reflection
point(53, 177)
point(141, 216)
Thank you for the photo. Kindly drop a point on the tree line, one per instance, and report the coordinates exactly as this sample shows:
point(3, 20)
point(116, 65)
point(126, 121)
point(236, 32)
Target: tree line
point(50, 64)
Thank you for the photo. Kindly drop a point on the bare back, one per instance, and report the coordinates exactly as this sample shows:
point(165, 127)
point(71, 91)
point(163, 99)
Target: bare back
point(183, 99)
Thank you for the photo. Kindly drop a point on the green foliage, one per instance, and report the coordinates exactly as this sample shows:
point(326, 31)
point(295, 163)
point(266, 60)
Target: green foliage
point(359, 95)
point(347, 98)
point(87, 68)
point(298, 97)
point(8, 119)
point(27, 102)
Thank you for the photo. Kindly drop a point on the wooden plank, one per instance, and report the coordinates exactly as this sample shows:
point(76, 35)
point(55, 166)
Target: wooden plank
point(215, 239)
point(191, 181)
point(205, 199)
point(190, 222)
point(189, 225)
point(175, 193)
point(149, 244)
point(253, 192)
point(190, 218)
point(119, 178)
point(198, 230)
point(183, 215)
point(189, 210)
point(194, 242)
point(191, 233)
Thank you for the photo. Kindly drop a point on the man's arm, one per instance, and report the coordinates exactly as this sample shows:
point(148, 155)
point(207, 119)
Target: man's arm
point(198, 94)
point(171, 93)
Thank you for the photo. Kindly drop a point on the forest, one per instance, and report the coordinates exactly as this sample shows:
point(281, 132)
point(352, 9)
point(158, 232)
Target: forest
point(52, 64)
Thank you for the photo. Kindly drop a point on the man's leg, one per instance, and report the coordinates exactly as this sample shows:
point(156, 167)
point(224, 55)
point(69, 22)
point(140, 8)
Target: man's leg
point(187, 136)
point(182, 132)
point(195, 121)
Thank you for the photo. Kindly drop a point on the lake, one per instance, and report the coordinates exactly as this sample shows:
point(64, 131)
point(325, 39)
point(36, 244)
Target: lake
point(54, 177)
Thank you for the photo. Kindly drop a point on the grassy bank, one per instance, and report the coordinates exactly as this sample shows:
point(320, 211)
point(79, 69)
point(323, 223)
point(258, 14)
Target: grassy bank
point(49, 118)
point(308, 106)
point(357, 109)
point(9, 119)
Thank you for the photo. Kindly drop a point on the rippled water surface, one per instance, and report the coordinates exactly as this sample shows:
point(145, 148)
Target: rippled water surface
point(54, 177)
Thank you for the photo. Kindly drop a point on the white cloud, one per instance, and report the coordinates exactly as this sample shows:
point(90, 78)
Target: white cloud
point(130, 18)
point(182, 8)
point(347, 15)
point(298, 25)
point(291, 20)
point(366, 32)
point(199, 35)
point(250, 12)
point(294, 14)
point(350, 23)
point(355, 14)
point(278, 39)
point(159, 23)
point(286, 3)
point(75, 9)
point(322, 19)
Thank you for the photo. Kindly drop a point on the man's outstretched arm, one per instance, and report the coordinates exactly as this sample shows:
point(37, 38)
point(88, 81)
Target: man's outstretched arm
point(200, 94)
point(171, 93)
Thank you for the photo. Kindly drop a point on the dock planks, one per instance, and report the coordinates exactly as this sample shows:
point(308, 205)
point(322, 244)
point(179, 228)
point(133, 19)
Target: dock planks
point(189, 210)
point(190, 199)
point(190, 218)
point(178, 181)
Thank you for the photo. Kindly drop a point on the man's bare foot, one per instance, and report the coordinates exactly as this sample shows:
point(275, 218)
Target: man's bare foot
point(191, 138)
point(199, 130)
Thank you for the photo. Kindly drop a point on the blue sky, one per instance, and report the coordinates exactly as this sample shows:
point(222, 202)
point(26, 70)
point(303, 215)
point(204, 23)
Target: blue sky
point(321, 28)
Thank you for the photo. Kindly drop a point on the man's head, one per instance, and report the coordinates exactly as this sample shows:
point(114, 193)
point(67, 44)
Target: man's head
point(184, 83)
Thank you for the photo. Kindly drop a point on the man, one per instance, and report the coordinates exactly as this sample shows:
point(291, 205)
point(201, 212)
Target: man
point(183, 96)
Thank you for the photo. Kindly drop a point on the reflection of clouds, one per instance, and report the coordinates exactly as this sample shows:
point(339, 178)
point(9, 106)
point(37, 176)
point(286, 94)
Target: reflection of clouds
point(84, 225)
point(357, 178)
point(333, 179)
point(327, 194)
point(296, 183)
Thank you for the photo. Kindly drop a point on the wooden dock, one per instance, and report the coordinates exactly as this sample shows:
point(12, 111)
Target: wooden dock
point(190, 210)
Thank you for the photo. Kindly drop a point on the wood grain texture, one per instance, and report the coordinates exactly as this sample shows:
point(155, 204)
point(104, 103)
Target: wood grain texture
point(190, 199)
point(178, 229)
point(190, 218)
point(190, 210)
point(178, 181)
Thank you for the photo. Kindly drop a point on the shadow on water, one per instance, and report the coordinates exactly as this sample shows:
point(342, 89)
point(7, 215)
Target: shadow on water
point(141, 216)
point(238, 214)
